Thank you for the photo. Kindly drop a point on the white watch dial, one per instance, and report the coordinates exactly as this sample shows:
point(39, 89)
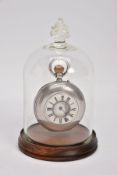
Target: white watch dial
point(61, 108)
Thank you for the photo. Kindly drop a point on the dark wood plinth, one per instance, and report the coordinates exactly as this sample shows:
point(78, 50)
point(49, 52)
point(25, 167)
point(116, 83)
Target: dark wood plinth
point(57, 153)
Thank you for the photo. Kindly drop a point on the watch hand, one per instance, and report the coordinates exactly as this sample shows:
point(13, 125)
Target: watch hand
point(64, 111)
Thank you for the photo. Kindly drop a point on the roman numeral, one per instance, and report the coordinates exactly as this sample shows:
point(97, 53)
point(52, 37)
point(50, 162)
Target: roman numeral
point(73, 109)
point(71, 115)
point(62, 97)
point(55, 118)
point(49, 109)
point(68, 98)
point(66, 119)
point(55, 99)
point(50, 115)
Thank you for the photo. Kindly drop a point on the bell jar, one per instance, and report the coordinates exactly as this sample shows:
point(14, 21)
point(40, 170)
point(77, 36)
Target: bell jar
point(58, 101)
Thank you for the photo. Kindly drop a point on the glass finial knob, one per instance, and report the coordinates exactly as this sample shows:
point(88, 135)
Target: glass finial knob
point(59, 32)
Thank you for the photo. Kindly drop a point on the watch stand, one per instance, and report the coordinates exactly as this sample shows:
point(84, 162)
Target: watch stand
point(67, 150)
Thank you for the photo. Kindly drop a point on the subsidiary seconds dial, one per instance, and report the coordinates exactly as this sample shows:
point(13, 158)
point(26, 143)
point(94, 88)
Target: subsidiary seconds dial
point(61, 108)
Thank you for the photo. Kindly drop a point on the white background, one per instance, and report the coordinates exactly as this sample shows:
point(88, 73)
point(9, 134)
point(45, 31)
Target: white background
point(25, 26)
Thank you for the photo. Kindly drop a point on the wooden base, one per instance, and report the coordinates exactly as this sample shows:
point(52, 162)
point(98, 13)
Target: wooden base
point(57, 153)
point(39, 134)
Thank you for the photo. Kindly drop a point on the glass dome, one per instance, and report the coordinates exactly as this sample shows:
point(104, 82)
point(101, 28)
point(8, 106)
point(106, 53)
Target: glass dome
point(62, 71)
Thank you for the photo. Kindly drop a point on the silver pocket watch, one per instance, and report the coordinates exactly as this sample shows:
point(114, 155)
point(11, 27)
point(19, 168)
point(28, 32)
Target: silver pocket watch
point(59, 105)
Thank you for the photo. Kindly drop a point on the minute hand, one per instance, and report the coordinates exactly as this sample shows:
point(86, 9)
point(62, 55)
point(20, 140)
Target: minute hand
point(65, 113)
